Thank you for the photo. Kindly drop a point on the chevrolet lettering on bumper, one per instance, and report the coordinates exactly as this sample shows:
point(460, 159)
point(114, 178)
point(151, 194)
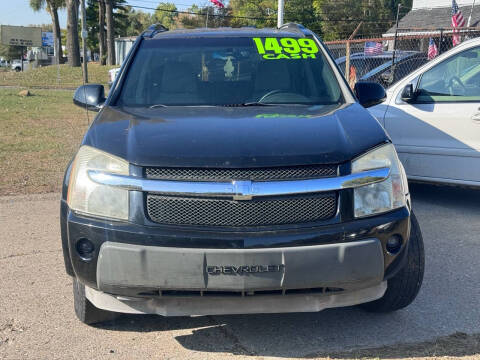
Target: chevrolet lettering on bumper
point(244, 269)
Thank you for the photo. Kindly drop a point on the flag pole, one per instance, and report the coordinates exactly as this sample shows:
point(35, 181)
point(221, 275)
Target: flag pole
point(471, 12)
point(395, 43)
point(281, 12)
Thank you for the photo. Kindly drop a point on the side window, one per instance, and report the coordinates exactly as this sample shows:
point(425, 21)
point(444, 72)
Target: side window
point(453, 80)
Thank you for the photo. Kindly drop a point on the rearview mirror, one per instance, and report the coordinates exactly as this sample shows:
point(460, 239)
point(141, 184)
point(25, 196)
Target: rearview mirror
point(408, 94)
point(369, 93)
point(91, 97)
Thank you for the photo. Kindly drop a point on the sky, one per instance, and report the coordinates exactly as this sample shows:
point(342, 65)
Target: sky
point(18, 12)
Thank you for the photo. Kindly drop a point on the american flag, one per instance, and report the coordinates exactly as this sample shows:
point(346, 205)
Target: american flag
point(373, 48)
point(432, 49)
point(218, 3)
point(457, 22)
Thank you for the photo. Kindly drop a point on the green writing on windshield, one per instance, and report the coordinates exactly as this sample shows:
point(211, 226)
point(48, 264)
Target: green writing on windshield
point(286, 48)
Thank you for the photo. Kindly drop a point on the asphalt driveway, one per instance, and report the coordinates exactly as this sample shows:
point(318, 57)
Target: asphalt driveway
point(37, 318)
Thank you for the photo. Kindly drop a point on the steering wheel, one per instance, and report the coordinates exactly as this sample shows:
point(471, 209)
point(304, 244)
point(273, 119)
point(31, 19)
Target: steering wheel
point(270, 93)
point(459, 82)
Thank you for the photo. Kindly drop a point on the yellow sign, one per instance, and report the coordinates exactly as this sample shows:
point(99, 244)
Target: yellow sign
point(286, 48)
point(20, 35)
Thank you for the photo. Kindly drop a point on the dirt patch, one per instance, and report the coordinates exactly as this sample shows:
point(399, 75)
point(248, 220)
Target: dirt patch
point(458, 345)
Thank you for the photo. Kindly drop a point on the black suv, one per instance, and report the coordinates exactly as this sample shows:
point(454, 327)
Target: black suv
point(234, 171)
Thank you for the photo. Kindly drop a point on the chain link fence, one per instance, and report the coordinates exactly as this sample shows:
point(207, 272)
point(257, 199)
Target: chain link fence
point(374, 59)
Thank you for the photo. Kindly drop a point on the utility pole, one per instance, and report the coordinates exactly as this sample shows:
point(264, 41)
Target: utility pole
point(281, 12)
point(84, 42)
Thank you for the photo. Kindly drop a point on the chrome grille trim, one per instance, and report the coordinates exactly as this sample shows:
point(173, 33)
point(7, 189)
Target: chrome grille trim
point(240, 190)
point(252, 174)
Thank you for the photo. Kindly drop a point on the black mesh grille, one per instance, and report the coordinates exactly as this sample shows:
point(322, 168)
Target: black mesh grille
point(254, 174)
point(257, 212)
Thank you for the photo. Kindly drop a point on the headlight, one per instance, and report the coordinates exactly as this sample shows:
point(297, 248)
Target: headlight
point(386, 195)
point(90, 198)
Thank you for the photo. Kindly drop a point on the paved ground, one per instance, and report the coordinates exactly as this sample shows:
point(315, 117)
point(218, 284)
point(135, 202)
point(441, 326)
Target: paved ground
point(37, 319)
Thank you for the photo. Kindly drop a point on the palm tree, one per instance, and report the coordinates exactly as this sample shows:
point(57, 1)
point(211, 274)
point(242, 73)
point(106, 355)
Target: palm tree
point(109, 4)
point(102, 41)
point(73, 44)
point(52, 7)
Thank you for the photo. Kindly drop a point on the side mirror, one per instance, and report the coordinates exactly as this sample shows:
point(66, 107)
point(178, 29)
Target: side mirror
point(91, 96)
point(408, 94)
point(369, 93)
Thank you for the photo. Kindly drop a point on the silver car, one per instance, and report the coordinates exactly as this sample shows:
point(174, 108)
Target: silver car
point(433, 118)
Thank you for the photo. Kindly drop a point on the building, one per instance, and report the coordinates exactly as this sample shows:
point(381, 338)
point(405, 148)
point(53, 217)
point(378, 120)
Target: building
point(432, 18)
point(122, 47)
point(436, 14)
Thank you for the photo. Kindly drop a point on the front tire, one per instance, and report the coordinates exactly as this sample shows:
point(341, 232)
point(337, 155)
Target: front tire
point(87, 312)
point(404, 286)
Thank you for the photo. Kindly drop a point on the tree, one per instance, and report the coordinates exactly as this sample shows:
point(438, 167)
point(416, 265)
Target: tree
point(73, 45)
point(262, 13)
point(198, 17)
point(52, 7)
point(110, 32)
point(166, 15)
point(136, 22)
point(302, 12)
point(102, 35)
point(338, 21)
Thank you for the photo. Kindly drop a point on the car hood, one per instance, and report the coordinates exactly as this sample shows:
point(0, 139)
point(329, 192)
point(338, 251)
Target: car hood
point(236, 137)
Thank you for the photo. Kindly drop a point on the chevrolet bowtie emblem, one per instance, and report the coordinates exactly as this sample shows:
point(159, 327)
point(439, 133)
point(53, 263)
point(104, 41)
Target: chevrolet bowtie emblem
point(242, 190)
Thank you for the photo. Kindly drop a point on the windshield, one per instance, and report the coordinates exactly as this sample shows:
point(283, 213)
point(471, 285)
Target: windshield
point(229, 71)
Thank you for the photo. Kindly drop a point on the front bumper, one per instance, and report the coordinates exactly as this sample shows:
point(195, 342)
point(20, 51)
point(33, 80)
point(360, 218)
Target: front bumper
point(160, 267)
point(135, 269)
point(221, 305)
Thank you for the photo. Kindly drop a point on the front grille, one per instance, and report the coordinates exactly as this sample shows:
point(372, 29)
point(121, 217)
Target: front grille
point(223, 293)
point(225, 212)
point(254, 174)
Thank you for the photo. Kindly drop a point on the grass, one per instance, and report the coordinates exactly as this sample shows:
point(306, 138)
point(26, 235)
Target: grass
point(53, 76)
point(39, 136)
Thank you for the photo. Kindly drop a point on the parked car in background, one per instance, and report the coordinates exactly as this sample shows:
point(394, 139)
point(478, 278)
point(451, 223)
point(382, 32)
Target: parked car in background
point(385, 75)
point(17, 65)
point(433, 118)
point(365, 63)
point(4, 63)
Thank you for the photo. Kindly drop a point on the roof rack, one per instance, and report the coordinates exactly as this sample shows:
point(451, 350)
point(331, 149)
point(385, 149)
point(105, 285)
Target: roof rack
point(154, 30)
point(294, 27)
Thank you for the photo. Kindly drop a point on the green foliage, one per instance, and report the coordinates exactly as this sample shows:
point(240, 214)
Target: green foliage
point(138, 21)
point(128, 22)
point(263, 10)
point(338, 20)
point(216, 17)
point(166, 15)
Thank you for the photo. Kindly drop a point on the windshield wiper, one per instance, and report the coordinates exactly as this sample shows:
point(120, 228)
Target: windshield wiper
point(157, 106)
point(250, 104)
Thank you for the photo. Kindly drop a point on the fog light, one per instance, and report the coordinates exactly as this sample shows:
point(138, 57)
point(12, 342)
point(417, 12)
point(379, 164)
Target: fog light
point(394, 244)
point(85, 249)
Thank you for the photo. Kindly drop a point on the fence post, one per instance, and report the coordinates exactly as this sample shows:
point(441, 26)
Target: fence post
point(347, 61)
point(441, 42)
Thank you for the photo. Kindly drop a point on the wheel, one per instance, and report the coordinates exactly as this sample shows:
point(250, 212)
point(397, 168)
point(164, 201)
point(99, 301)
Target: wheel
point(87, 312)
point(404, 286)
point(17, 69)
